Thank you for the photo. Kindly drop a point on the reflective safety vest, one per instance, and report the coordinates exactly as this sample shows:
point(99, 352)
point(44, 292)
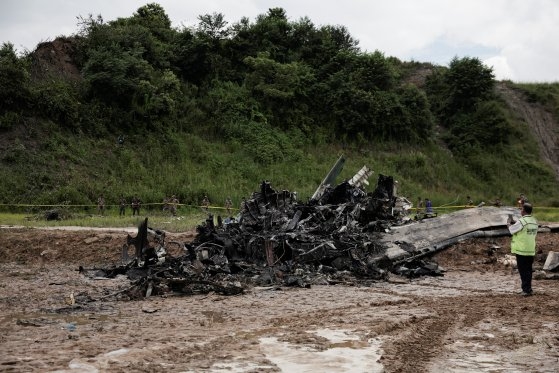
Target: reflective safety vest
point(524, 241)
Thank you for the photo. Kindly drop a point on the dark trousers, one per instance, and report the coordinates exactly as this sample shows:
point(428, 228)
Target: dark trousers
point(524, 265)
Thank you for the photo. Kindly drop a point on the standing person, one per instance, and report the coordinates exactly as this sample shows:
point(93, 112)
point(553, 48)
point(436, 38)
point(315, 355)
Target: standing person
point(122, 206)
point(174, 203)
point(419, 205)
point(136, 203)
point(523, 245)
point(166, 204)
point(428, 206)
point(206, 202)
point(101, 205)
point(228, 205)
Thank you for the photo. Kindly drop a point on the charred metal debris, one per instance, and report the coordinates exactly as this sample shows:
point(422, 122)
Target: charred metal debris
point(277, 240)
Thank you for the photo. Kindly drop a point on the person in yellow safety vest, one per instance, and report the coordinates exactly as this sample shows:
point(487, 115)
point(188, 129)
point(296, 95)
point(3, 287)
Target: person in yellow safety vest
point(523, 245)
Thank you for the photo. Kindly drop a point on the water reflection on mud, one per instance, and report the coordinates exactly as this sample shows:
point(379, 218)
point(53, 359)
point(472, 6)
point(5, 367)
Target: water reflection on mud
point(345, 353)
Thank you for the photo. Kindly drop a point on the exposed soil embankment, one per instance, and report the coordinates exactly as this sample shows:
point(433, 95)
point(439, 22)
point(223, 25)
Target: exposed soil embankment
point(544, 127)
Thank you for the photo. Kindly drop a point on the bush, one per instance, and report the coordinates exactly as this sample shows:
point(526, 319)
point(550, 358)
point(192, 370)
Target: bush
point(15, 153)
point(59, 102)
point(265, 144)
point(9, 119)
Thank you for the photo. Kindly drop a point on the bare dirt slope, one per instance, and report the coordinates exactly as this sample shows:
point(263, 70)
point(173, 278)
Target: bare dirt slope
point(469, 320)
point(544, 127)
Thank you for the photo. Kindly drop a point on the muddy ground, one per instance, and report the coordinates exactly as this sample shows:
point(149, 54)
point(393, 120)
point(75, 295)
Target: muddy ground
point(469, 320)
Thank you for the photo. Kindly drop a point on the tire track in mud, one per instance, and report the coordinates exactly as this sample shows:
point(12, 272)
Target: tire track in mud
point(415, 346)
point(412, 349)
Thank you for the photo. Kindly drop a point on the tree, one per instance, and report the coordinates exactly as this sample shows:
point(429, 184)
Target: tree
point(437, 90)
point(212, 27)
point(271, 34)
point(189, 57)
point(372, 71)
point(468, 82)
point(149, 29)
point(417, 119)
point(279, 87)
point(158, 97)
point(153, 17)
point(461, 97)
point(14, 80)
point(58, 100)
point(113, 75)
point(484, 128)
point(213, 33)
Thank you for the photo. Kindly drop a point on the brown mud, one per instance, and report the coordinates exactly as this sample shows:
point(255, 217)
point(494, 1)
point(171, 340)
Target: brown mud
point(469, 320)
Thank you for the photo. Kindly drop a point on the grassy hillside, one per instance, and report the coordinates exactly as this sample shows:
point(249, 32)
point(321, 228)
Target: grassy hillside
point(40, 165)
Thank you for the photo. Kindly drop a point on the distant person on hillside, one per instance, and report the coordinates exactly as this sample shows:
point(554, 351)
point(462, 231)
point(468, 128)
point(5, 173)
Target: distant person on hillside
point(136, 204)
point(101, 205)
point(243, 205)
point(428, 206)
point(122, 206)
point(419, 205)
point(228, 205)
point(206, 202)
point(174, 203)
point(166, 204)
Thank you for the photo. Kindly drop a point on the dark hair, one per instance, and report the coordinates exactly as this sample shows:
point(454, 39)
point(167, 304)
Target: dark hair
point(527, 208)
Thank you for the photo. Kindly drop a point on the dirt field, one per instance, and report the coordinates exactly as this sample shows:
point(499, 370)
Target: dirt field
point(469, 320)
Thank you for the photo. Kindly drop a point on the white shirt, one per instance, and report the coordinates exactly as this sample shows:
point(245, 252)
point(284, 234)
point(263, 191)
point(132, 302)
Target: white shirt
point(516, 227)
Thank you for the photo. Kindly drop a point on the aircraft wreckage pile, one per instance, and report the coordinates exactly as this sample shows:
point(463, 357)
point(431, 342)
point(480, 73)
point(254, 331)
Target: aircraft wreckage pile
point(277, 240)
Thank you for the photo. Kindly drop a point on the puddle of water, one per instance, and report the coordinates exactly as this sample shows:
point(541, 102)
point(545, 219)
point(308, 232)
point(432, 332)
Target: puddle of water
point(335, 336)
point(76, 366)
point(346, 353)
point(119, 352)
point(101, 362)
point(341, 338)
point(237, 367)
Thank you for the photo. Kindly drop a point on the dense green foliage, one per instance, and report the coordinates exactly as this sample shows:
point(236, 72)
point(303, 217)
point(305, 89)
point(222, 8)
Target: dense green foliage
point(213, 109)
point(14, 87)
